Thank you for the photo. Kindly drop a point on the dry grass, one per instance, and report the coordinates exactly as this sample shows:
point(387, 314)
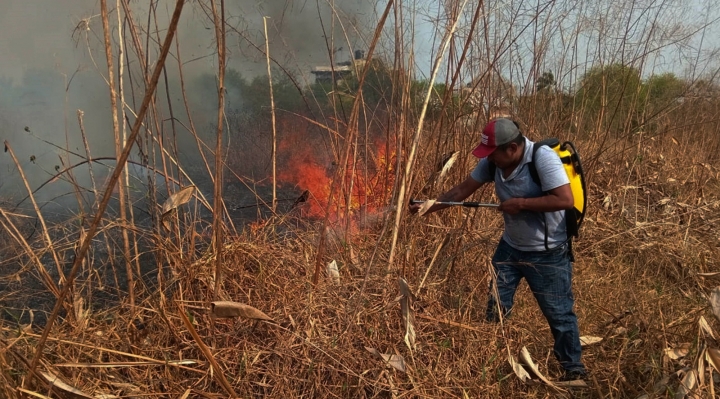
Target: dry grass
point(637, 285)
point(644, 273)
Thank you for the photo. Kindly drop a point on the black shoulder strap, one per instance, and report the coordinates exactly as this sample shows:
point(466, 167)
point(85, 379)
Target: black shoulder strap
point(552, 142)
point(492, 168)
point(531, 166)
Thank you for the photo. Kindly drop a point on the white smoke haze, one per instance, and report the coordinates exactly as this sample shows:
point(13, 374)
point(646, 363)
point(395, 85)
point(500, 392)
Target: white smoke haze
point(52, 64)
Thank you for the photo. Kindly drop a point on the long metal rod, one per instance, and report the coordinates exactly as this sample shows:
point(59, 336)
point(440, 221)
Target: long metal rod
point(452, 203)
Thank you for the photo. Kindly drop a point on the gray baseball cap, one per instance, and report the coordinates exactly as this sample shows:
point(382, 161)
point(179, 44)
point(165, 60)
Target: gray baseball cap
point(496, 133)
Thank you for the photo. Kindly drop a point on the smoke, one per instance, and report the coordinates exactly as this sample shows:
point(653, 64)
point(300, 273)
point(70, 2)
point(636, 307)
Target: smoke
point(52, 64)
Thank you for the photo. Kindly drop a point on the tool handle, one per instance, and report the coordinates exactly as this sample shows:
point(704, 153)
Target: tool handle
point(465, 204)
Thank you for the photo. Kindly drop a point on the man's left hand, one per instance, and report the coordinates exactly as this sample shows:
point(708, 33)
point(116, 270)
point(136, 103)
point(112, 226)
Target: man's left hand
point(513, 206)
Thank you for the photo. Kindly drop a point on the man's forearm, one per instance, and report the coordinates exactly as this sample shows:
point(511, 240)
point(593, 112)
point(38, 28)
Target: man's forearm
point(545, 203)
point(453, 195)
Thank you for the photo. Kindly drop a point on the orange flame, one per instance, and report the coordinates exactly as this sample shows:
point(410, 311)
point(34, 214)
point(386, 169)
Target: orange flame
point(369, 180)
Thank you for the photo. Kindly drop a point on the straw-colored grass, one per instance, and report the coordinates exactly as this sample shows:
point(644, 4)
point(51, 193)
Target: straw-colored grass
point(638, 283)
point(644, 276)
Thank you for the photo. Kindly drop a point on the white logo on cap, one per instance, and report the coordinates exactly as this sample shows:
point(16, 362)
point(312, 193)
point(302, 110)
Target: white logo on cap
point(484, 139)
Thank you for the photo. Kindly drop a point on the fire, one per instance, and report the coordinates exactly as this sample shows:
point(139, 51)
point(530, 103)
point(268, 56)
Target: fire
point(369, 180)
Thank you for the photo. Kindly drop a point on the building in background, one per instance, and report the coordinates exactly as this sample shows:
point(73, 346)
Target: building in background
point(340, 71)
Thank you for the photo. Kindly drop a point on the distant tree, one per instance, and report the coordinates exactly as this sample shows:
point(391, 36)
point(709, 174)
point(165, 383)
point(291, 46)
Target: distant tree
point(700, 101)
point(659, 89)
point(418, 91)
point(660, 97)
point(610, 93)
point(379, 83)
point(546, 81)
point(236, 87)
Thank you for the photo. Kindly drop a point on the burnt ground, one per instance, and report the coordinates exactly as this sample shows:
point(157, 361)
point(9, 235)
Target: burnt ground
point(105, 284)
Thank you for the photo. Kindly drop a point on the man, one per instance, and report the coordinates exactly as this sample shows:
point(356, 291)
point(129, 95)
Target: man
point(530, 212)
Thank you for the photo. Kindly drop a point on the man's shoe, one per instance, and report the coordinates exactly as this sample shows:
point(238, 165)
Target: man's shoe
point(573, 375)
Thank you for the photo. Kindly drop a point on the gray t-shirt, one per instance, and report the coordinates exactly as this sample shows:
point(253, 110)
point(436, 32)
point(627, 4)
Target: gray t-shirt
point(526, 230)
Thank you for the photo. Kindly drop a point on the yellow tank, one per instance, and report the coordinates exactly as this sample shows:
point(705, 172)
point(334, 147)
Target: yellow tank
point(574, 171)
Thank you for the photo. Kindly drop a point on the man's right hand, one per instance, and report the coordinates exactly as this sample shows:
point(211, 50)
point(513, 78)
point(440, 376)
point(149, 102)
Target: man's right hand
point(414, 208)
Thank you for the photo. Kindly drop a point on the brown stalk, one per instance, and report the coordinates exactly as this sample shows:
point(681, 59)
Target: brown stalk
point(136, 40)
point(273, 153)
point(217, 225)
point(217, 371)
point(92, 229)
point(122, 193)
point(121, 95)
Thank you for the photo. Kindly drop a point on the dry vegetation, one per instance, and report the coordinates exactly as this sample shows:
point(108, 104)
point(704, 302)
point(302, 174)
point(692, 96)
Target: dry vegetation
point(647, 264)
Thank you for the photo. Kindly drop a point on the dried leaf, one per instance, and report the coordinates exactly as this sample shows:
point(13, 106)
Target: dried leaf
point(57, 382)
point(236, 309)
point(713, 274)
point(589, 340)
point(701, 367)
point(705, 327)
point(715, 301)
point(79, 307)
point(426, 206)
point(678, 352)
point(396, 361)
point(687, 385)
point(408, 316)
point(179, 198)
point(607, 202)
point(713, 356)
point(333, 272)
point(520, 370)
point(527, 359)
point(446, 168)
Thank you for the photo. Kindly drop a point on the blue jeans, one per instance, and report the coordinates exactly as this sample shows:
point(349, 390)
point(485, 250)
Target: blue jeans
point(549, 275)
